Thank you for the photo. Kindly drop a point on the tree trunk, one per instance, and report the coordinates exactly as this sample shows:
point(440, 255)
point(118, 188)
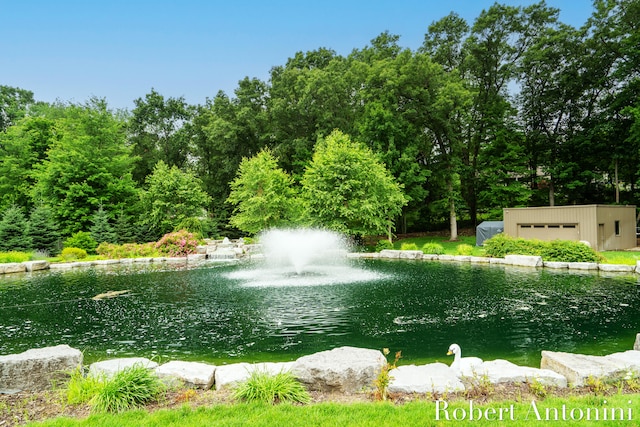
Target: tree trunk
point(616, 182)
point(552, 201)
point(453, 222)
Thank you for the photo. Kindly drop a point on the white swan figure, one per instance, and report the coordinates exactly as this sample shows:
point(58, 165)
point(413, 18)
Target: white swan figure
point(463, 366)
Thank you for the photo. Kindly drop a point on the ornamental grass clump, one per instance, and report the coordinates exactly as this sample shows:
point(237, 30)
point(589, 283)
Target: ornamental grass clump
point(266, 388)
point(433, 248)
point(178, 243)
point(129, 388)
point(408, 247)
point(81, 389)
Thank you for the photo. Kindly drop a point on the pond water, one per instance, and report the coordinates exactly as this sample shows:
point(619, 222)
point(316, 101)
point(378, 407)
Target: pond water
point(225, 313)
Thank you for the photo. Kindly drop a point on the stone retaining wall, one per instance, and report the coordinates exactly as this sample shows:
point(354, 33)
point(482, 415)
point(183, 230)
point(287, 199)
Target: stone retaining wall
point(217, 251)
point(343, 370)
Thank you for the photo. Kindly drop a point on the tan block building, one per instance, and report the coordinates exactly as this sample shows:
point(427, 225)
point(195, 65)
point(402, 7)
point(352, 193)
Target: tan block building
point(605, 227)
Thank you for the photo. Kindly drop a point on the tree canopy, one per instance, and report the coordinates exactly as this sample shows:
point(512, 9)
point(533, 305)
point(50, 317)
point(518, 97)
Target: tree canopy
point(515, 108)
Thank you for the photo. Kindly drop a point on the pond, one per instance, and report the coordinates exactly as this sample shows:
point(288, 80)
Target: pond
point(225, 313)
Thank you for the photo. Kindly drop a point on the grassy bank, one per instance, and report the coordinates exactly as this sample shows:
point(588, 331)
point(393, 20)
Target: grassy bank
point(574, 410)
point(451, 248)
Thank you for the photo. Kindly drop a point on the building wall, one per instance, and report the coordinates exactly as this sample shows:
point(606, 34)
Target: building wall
point(595, 224)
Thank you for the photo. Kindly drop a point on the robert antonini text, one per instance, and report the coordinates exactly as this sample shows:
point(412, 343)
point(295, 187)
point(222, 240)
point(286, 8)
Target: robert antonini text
point(534, 411)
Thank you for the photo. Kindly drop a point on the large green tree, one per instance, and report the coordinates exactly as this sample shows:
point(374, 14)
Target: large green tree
point(263, 195)
point(14, 103)
point(347, 189)
point(90, 165)
point(226, 130)
point(23, 147)
point(171, 198)
point(157, 132)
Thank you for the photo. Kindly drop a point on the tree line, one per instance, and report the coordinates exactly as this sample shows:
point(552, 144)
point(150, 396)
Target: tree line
point(513, 109)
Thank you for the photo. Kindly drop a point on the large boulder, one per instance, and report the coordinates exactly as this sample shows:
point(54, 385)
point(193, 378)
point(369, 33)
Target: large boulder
point(227, 376)
point(191, 374)
point(343, 369)
point(110, 367)
point(636, 345)
point(36, 265)
point(504, 372)
point(422, 379)
point(523, 260)
point(578, 368)
point(38, 369)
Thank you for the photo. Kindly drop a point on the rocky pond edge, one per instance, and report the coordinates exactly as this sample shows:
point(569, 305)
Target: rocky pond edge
point(346, 370)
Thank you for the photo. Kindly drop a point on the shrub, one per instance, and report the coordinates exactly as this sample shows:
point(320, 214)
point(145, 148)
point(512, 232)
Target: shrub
point(178, 243)
point(383, 244)
point(127, 250)
point(70, 254)
point(433, 248)
point(82, 240)
point(267, 388)
point(464, 249)
point(383, 379)
point(14, 256)
point(129, 388)
point(569, 251)
point(557, 250)
point(408, 247)
point(194, 225)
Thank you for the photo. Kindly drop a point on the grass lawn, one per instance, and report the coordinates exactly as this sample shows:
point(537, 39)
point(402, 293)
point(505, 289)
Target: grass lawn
point(573, 410)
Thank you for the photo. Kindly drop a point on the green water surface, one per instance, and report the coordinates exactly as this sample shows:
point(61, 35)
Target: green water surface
point(209, 314)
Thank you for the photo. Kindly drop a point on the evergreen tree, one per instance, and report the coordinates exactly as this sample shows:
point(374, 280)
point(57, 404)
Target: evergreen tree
point(101, 230)
point(125, 229)
point(43, 230)
point(14, 231)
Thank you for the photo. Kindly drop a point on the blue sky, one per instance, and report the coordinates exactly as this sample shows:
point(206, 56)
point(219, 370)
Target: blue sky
point(120, 49)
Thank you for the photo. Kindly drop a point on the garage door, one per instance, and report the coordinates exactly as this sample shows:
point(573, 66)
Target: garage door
point(549, 231)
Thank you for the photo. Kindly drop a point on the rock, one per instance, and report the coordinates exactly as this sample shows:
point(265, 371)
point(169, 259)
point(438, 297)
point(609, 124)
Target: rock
point(582, 265)
point(577, 368)
point(111, 367)
point(504, 372)
point(480, 259)
point(411, 254)
point(636, 345)
point(14, 267)
point(36, 265)
point(229, 375)
point(343, 369)
point(37, 369)
point(196, 257)
point(445, 258)
point(618, 268)
point(628, 360)
point(523, 260)
point(191, 374)
point(431, 378)
point(556, 264)
point(390, 253)
point(462, 258)
point(498, 261)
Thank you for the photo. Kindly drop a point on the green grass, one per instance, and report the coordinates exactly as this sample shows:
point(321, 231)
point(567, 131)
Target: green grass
point(621, 257)
point(416, 413)
point(450, 248)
